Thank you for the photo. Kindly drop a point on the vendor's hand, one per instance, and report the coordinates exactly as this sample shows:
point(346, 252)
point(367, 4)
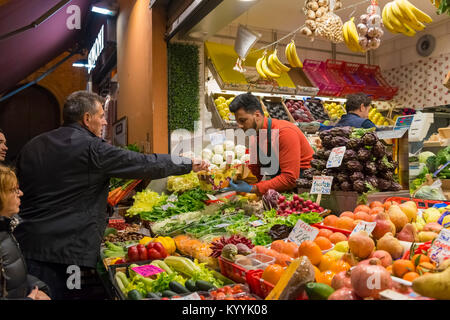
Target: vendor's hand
point(41, 295)
point(199, 165)
point(240, 186)
point(33, 293)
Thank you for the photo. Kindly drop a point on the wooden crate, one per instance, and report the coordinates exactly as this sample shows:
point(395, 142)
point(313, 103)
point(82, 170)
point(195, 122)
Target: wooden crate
point(216, 119)
point(277, 100)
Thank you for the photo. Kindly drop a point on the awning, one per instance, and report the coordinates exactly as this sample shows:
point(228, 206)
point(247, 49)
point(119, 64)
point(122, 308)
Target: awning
point(24, 53)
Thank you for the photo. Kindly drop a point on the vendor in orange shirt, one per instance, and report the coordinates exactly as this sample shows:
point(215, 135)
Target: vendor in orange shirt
point(290, 155)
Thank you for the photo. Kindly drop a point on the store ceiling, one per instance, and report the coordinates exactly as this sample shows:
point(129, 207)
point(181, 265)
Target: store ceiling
point(287, 15)
point(23, 53)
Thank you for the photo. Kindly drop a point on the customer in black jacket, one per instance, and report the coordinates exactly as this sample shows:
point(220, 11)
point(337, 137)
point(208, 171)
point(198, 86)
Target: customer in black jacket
point(65, 174)
point(15, 282)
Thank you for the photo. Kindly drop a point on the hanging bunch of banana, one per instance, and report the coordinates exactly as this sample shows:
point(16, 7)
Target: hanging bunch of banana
point(270, 67)
point(400, 16)
point(292, 57)
point(351, 37)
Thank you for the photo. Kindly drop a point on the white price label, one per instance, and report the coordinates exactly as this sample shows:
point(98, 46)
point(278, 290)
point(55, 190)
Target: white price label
point(321, 185)
point(217, 138)
point(172, 198)
point(257, 223)
point(302, 232)
point(364, 226)
point(336, 156)
point(391, 134)
point(167, 206)
point(211, 197)
point(440, 250)
point(192, 296)
point(222, 225)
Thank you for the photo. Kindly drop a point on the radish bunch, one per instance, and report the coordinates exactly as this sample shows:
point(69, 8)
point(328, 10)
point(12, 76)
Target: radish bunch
point(297, 205)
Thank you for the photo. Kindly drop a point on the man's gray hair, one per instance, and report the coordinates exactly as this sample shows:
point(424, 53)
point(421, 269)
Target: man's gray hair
point(78, 103)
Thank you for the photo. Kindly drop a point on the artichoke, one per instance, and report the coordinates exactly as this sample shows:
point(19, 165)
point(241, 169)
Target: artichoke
point(320, 154)
point(327, 142)
point(395, 186)
point(357, 176)
point(369, 139)
point(354, 166)
point(379, 150)
point(310, 173)
point(388, 175)
point(342, 177)
point(363, 154)
point(373, 181)
point(339, 141)
point(325, 133)
point(318, 164)
point(359, 186)
point(354, 144)
point(350, 155)
point(384, 184)
point(370, 168)
point(346, 186)
point(304, 183)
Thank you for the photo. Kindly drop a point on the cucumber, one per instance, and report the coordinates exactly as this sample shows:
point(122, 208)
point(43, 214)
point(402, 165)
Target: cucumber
point(318, 291)
point(178, 287)
point(190, 285)
point(135, 295)
point(168, 293)
point(153, 295)
point(120, 284)
point(202, 285)
point(123, 278)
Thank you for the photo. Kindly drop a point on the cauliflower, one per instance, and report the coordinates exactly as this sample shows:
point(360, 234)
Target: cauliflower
point(236, 162)
point(207, 154)
point(228, 145)
point(245, 158)
point(218, 149)
point(239, 150)
point(217, 159)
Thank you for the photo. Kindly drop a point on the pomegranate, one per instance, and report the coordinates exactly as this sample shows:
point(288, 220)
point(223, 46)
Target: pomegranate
point(344, 294)
point(341, 280)
point(384, 256)
point(369, 280)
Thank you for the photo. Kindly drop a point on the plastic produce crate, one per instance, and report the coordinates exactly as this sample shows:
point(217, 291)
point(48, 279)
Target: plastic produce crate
point(232, 271)
point(376, 85)
point(421, 203)
point(336, 69)
point(315, 70)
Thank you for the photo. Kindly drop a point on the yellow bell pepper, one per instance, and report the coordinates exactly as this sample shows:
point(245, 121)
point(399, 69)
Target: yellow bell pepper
point(167, 242)
point(145, 240)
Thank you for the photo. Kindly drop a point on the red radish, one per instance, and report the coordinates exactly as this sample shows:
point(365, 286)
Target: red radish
point(311, 207)
point(301, 200)
point(281, 198)
point(321, 209)
point(305, 210)
point(296, 197)
point(308, 202)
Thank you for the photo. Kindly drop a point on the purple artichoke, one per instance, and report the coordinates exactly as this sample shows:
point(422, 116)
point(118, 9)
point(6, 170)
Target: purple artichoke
point(369, 139)
point(354, 144)
point(318, 164)
point(395, 186)
point(357, 176)
point(350, 155)
point(379, 150)
point(346, 186)
point(354, 166)
point(370, 168)
point(363, 154)
point(373, 181)
point(359, 186)
point(384, 184)
point(339, 141)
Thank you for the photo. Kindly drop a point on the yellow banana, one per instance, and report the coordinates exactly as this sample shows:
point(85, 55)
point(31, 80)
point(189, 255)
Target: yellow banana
point(411, 19)
point(409, 32)
point(293, 53)
point(272, 66)
point(393, 19)
point(344, 32)
point(278, 63)
point(259, 68)
point(353, 35)
point(395, 8)
point(420, 15)
point(417, 26)
point(386, 21)
point(267, 71)
point(287, 53)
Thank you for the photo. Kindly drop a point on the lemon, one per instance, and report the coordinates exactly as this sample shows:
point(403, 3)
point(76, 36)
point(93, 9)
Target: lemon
point(334, 254)
point(341, 246)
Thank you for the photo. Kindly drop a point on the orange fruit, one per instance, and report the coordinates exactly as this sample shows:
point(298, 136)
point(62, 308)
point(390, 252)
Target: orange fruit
point(401, 267)
point(323, 243)
point(277, 245)
point(361, 215)
point(410, 276)
point(273, 273)
point(419, 258)
point(282, 259)
point(330, 220)
point(337, 237)
point(376, 210)
point(376, 204)
point(324, 233)
point(362, 207)
point(347, 214)
point(424, 267)
point(311, 250)
point(339, 266)
point(326, 277)
point(317, 273)
point(326, 263)
point(345, 223)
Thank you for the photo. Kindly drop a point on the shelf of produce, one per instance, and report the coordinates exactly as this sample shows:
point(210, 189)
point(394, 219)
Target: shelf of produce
point(276, 108)
point(220, 123)
point(210, 99)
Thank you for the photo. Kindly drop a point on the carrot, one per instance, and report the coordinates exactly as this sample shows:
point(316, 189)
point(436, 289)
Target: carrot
point(125, 191)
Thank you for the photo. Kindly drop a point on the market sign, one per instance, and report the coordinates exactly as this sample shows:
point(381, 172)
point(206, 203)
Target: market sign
point(321, 185)
point(336, 156)
point(302, 232)
point(440, 250)
point(364, 226)
point(96, 49)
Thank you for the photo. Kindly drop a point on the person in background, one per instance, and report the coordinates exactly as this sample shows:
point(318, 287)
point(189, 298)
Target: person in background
point(358, 107)
point(3, 147)
point(15, 282)
point(66, 174)
point(293, 153)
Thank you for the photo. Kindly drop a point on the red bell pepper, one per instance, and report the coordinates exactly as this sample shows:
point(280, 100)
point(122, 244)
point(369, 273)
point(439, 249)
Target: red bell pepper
point(156, 251)
point(133, 254)
point(142, 252)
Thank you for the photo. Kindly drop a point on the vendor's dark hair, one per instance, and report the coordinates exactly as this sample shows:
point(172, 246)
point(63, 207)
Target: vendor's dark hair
point(246, 101)
point(78, 103)
point(354, 101)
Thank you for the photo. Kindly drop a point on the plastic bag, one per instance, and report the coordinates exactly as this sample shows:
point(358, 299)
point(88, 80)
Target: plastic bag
point(433, 192)
point(331, 27)
point(370, 28)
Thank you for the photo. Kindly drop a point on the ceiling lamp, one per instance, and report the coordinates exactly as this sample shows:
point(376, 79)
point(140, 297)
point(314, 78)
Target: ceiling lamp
point(106, 7)
point(82, 63)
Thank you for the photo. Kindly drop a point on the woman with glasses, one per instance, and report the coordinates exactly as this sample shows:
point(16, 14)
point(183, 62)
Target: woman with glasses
point(15, 282)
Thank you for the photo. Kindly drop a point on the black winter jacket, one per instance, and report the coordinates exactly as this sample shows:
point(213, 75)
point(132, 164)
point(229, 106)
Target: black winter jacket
point(15, 282)
point(64, 175)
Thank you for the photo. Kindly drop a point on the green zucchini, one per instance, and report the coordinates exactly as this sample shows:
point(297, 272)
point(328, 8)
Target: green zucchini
point(178, 287)
point(168, 293)
point(190, 285)
point(120, 284)
point(152, 295)
point(135, 295)
point(202, 285)
point(122, 276)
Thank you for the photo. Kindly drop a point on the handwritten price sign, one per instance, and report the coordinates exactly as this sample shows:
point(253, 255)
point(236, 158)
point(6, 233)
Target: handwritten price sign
point(302, 232)
point(336, 156)
point(440, 250)
point(364, 226)
point(321, 185)
point(147, 271)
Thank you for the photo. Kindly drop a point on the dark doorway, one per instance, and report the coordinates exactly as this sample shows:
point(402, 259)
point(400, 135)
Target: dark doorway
point(27, 114)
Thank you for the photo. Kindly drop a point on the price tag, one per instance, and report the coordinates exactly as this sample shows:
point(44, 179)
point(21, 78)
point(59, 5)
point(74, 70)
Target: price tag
point(440, 250)
point(302, 232)
point(167, 206)
point(364, 226)
point(391, 134)
point(217, 138)
point(336, 156)
point(222, 225)
point(321, 185)
point(211, 197)
point(192, 296)
point(147, 270)
point(257, 223)
point(172, 198)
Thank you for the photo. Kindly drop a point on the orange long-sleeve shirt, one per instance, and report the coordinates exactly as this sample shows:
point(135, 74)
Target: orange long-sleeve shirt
point(295, 153)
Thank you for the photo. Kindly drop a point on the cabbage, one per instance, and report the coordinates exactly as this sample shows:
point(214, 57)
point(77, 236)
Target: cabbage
point(183, 183)
point(145, 201)
point(423, 156)
point(218, 149)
